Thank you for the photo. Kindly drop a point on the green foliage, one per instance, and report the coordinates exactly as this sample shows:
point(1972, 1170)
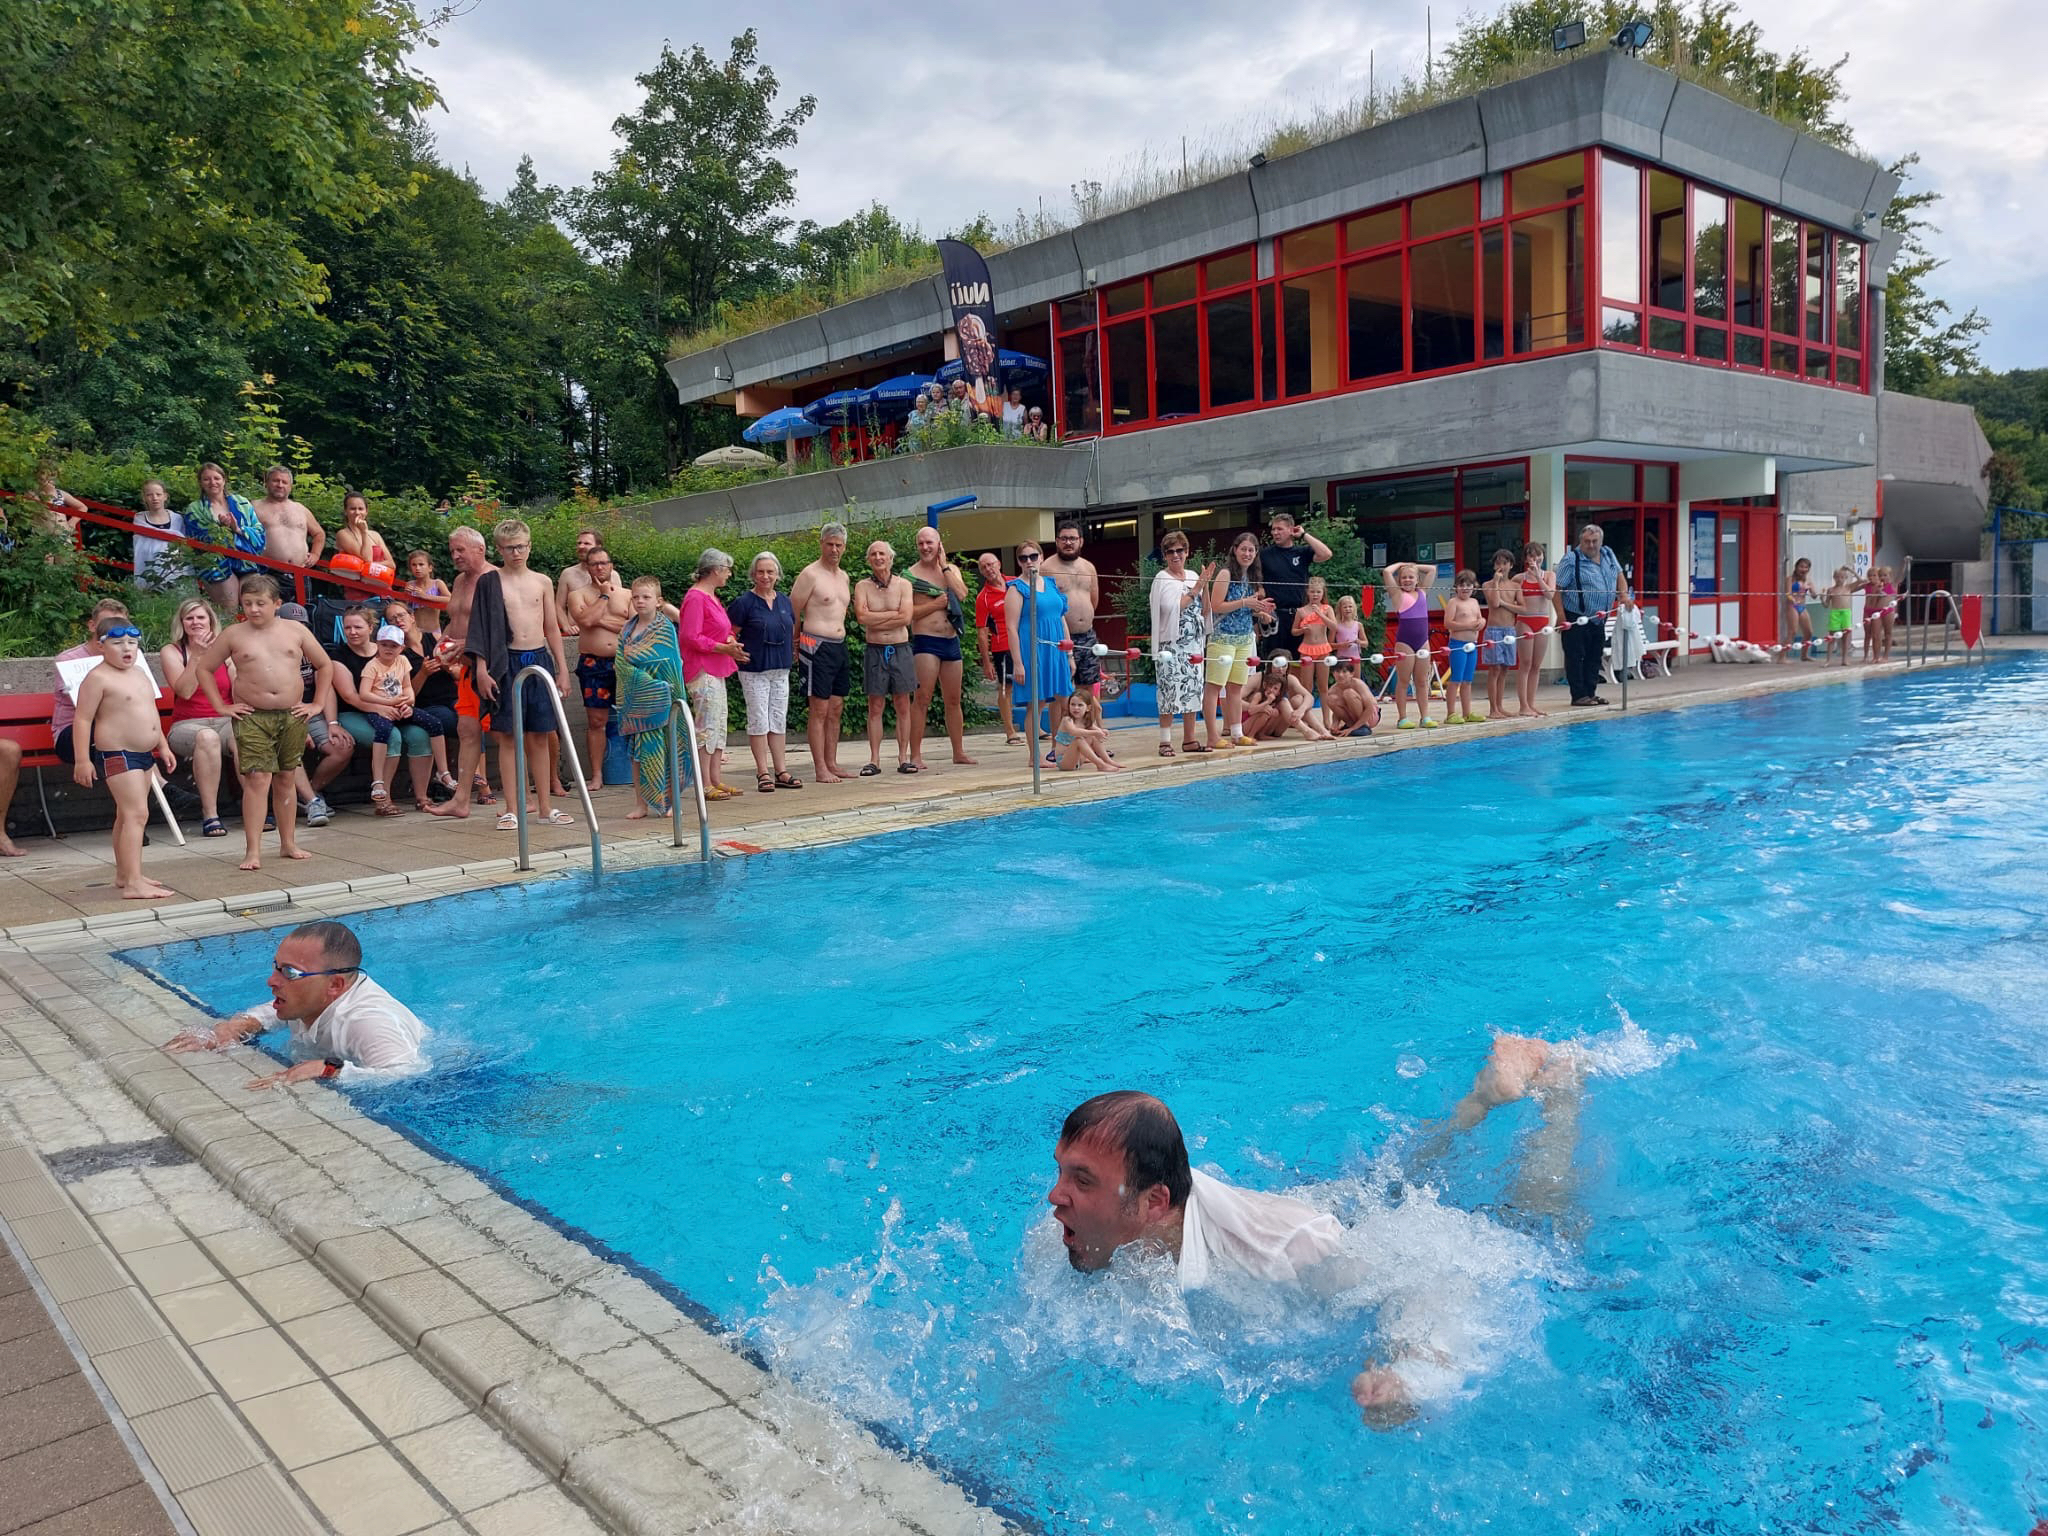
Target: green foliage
point(1922, 343)
point(2012, 408)
point(157, 153)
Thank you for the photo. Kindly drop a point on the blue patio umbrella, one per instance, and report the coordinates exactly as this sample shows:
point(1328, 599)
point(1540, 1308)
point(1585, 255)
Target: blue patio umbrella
point(780, 426)
point(1013, 366)
point(838, 409)
point(899, 393)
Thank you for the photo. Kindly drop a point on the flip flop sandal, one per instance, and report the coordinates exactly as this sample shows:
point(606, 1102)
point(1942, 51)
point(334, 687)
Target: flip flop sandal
point(212, 827)
point(508, 821)
point(908, 768)
point(872, 770)
point(556, 818)
point(1195, 749)
point(788, 781)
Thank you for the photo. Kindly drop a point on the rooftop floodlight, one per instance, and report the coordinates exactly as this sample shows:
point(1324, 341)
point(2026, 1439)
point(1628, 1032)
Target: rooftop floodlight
point(1634, 37)
point(1258, 160)
point(1569, 36)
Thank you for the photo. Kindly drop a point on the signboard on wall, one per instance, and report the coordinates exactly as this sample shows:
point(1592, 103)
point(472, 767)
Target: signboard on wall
point(972, 299)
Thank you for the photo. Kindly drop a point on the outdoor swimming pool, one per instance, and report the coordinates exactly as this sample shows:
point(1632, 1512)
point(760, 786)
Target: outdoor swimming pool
point(1804, 1280)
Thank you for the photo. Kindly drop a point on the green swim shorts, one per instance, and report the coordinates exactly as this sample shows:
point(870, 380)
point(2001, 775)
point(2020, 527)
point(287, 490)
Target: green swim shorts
point(269, 741)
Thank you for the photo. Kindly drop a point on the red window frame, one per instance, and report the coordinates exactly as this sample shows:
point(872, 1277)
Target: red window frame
point(1455, 511)
point(1268, 300)
point(1827, 354)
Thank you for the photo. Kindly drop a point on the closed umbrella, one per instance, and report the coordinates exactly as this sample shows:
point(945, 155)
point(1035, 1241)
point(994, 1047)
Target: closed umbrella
point(781, 426)
point(732, 456)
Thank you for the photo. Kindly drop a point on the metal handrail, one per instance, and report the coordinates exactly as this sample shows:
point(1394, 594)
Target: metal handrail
point(517, 789)
point(1955, 617)
point(675, 780)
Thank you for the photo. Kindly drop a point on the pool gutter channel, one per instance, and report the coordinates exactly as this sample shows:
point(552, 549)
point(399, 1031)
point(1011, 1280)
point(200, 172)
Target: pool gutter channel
point(643, 1473)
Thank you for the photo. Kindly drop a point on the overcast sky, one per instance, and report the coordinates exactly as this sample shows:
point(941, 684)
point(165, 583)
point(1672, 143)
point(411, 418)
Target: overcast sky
point(1087, 91)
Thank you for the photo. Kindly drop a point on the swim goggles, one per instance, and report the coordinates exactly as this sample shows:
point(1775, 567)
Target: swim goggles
point(293, 973)
point(122, 632)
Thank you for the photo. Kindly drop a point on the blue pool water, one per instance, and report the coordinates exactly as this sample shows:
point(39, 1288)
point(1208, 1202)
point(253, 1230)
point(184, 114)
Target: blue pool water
point(1802, 1283)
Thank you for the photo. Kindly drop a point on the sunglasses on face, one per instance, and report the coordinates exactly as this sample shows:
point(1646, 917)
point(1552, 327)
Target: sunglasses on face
point(293, 973)
point(1026, 558)
point(123, 632)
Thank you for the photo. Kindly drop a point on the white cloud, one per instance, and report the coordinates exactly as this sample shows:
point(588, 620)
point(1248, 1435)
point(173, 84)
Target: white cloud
point(1061, 94)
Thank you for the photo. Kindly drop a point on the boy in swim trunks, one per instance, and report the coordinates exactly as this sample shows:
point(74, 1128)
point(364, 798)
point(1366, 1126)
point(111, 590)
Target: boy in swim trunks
point(1841, 620)
point(270, 709)
point(118, 729)
point(1497, 645)
point(1464, 619)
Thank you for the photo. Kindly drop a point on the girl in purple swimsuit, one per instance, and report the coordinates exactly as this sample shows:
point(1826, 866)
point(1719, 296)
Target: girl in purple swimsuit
point(1408, 604)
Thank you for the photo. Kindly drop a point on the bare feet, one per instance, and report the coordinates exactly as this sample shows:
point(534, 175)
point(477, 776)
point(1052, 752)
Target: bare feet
point(963, 759)
point(251, 862)
point(295, 853)
point(7, 848)
point(639, 815)
point(145, 890)
point(449, 808)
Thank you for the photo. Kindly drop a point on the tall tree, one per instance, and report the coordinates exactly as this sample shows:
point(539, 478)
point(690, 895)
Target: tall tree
point(1925, 341)
point(690, 213)
point(154, 155)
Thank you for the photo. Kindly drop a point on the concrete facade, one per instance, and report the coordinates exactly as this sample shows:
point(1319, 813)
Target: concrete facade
point(1603, 99)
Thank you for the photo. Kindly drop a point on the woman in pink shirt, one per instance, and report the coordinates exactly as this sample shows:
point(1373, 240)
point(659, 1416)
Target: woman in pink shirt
point(711, 654)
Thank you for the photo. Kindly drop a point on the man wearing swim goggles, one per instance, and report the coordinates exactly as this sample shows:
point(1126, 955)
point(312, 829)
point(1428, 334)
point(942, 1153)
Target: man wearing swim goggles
point(342, 1023)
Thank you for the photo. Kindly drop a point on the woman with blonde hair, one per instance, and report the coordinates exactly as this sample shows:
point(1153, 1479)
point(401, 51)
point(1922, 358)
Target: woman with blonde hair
point(199, 734)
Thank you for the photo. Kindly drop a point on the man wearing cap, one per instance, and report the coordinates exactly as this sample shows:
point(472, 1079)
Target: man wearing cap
point(342, 1023)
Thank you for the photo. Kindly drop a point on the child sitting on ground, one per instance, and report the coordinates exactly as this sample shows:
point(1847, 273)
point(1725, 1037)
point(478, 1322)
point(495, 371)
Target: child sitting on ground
point(118, 729)
point(386, 692)
point(1277, 702)
point(1464, 620)
point(1840, 618)
point(1315, 625)
point(1082, 737)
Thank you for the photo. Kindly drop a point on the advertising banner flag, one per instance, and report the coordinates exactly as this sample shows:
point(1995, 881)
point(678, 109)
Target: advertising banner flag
point(972, 298)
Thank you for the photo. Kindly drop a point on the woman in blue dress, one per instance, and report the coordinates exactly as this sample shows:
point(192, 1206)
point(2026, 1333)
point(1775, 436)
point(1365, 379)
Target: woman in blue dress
point(1052, 667)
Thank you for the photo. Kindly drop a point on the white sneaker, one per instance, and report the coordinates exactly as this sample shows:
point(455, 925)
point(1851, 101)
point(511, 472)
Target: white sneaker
point(318, 812)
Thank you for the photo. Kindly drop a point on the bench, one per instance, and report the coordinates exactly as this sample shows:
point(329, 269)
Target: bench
point(1656, 658)
point(25, 721)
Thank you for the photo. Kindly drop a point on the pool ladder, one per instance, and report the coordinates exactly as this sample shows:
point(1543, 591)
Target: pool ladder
point(1951, 620)
point(517, 790)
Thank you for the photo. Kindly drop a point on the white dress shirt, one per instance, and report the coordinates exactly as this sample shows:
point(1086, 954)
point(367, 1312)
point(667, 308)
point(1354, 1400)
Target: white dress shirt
point(1273, 1237)
point(372, 1032)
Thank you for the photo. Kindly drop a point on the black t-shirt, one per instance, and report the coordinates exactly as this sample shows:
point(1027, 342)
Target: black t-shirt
point(1285, 573)
point(430, 689)
point(344, 657)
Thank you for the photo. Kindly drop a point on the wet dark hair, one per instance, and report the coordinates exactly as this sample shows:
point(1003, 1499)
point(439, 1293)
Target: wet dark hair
point(1145, 1131)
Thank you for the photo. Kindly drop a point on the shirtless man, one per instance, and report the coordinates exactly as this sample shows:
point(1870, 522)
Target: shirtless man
point(935, 641)
point(821, 597)
point(290, 532)
point(573, 580)
point(533, 637)
point(1082, 588)
point(270, 708)
point(1124, 1178)
point(466, 550)
point(117, 716)
point(882, 602)
point(600, 608)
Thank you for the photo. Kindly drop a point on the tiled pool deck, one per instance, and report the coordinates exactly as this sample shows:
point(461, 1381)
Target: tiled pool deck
point(292, 1318)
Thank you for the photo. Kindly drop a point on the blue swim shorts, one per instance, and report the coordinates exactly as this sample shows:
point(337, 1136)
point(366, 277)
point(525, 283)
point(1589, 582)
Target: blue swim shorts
point(1464, 659)
point(1498, 648)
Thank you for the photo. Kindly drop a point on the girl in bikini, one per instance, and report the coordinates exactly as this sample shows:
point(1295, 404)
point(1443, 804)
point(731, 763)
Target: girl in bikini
point(1799, 596)
point(1538, 606)
point(1082, 737)
point(1315, 629)
point(1408, 606)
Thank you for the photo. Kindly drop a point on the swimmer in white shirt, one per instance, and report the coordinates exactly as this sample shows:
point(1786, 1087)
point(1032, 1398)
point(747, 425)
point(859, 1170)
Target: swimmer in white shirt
point(1124, 1178)
point(344, 1022)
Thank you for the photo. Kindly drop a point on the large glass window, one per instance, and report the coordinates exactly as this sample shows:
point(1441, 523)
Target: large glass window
point(1445, 518)
point(1621, 232)
point(1436, 212)
point(1750, 256)
point(1667, 241)
point(1848, 295)
point(1545, 185)
point(1784, 275)
point(1370, 231)
point(1176, 285)
point(1814, 293)
point(1129, 395)
point(1124, 298)
point(1230, 350)
point(1709, 255)
point(1228, 271)
point(1269, 342)
point(1440, 326)
point(1080, 390)
point(1492, 295)
point(1549, 281)
point(1372, 298)
point(1176, 363)
point(1310, 319)
point(1309, 248)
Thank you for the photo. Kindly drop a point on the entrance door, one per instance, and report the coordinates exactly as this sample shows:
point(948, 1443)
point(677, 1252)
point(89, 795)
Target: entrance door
point(1716, 573)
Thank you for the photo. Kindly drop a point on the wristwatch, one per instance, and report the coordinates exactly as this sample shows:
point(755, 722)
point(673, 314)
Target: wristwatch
point(332, 1066)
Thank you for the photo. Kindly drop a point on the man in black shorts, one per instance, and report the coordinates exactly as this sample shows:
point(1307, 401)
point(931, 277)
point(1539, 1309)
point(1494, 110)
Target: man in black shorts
point(820, 597)
point(1082, 588)
point(1283, 567)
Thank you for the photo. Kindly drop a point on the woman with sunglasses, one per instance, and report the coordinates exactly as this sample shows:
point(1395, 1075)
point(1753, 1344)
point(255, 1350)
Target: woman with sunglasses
point(1043, 660)
point(342, 1023)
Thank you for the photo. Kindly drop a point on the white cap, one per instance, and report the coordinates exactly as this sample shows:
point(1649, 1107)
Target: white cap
point(391, 633)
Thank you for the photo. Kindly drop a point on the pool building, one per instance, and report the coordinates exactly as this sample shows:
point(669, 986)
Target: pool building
point(1600, 293)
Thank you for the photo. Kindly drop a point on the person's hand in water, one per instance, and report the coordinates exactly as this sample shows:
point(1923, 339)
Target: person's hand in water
point(1382, 1398)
